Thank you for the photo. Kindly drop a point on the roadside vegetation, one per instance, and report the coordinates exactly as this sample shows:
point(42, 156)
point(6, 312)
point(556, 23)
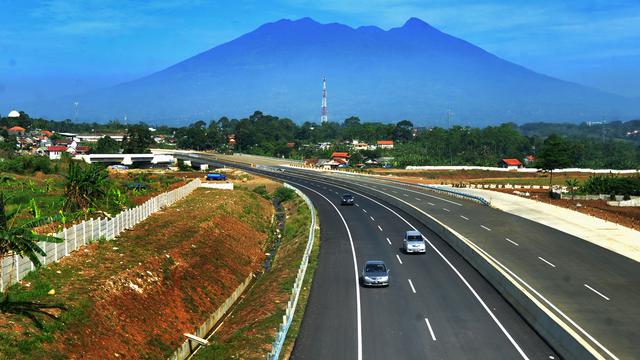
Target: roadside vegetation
point(134, 297)
point(249, 331)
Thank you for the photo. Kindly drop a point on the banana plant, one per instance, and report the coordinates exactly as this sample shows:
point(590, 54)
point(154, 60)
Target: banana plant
point(34, 209)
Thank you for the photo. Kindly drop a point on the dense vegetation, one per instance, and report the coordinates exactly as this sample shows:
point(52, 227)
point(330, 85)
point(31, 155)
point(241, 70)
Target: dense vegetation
point(613, 145)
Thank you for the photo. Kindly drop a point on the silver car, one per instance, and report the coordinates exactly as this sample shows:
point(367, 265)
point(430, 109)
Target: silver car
point(413, 242)
point(375, 273)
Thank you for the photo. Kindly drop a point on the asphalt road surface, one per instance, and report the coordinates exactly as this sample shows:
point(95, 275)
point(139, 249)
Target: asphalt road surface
point(437, 306)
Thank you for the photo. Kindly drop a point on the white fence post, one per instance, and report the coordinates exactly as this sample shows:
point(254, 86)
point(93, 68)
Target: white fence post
point(75, 237)
point(17, 266)
point(66, 243)
point(84, 232)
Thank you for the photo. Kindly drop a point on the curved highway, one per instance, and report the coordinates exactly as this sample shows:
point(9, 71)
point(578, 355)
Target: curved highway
point(437, 305)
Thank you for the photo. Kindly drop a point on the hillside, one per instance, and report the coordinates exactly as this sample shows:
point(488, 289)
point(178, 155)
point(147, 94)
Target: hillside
point(414, 71)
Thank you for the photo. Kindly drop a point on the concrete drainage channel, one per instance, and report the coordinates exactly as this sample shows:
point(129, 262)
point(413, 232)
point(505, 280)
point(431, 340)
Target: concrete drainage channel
point(205, 331)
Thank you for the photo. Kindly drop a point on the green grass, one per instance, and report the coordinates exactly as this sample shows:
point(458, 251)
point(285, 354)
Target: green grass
point(252, 340)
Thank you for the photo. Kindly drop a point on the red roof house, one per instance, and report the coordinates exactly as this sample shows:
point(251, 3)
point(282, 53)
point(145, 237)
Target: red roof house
point(385, 144)
point(340, 155)
point(510, 163)
point(16, 130)
point(46, 133)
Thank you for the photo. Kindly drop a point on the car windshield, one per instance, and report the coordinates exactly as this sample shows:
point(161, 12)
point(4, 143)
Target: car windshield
point(414, 238)
point(347, 196)
point(374, 268)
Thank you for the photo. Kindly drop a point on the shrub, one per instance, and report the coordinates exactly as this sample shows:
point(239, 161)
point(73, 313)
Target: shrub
point(283, 194)
point(262, 191)
point(27, 165)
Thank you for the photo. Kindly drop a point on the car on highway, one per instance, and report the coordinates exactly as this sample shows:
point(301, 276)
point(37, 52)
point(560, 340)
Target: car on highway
point(413, 242)
point(375, 273)
point(347, 199)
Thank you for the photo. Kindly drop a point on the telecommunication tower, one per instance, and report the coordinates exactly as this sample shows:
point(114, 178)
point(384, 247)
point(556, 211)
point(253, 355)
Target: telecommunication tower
point(323, 117)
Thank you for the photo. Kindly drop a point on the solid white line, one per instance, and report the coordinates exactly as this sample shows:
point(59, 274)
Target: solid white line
point(372, 218)
point(471, 289)
point(433, 336)
point(596, 291)
point(546, 261)
point(484, 227)
point(430, 203)
point(398, 257)
point(379, 228)
point(364, 210)
point(464, 217)
point(412, 288)
point(389, 241)
point(355, 271)
point(511, 241)
point(447, 210)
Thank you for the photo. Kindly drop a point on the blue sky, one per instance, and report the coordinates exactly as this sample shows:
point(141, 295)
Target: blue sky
point(66, 46)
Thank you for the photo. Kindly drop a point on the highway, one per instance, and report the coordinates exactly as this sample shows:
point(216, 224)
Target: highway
point(595, 291)
point(437, 305)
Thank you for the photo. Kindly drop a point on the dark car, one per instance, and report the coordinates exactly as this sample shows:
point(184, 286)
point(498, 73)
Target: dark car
point(347, 199)
point(375, 273)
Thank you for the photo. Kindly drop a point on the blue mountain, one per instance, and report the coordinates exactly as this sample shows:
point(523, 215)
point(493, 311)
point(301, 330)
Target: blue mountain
point(411, 72)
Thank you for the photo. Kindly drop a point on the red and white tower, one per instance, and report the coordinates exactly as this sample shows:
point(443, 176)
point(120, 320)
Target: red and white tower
point(323, 114)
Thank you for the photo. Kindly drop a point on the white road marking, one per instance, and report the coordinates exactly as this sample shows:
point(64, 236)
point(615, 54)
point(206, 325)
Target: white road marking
point(355, 271)
point(358, 205)
point(597, 292)
point(395, 191)
point(484, 227)
point(430, 203)
point(511, 241)
point(364, 210)
point(445, 209)
point(471, 289)
point(417, 199)
point(464, 217)
point(398, 257)
point(412, 288)
point(550, 264)
point(372, 218)
point(389, 241)
point(433, 336)
point(379, 228)
point(405, 195)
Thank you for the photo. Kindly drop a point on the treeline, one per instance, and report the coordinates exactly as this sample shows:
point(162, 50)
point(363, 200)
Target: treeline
point(263, 134)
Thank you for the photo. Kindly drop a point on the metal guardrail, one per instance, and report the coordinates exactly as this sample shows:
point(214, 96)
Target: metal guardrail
point(295, 292)
point(458, 194)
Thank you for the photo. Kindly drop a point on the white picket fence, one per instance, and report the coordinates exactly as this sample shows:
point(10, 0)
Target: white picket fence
point(14, 268)
point(297, 286)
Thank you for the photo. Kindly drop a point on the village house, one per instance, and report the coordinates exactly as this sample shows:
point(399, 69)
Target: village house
point(511, 164)
point(385, 144)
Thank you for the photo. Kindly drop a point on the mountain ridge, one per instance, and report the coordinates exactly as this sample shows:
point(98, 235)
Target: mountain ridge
point(414, 71)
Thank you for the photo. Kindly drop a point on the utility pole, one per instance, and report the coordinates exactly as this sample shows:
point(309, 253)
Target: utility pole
point(323, 113)
point(75, 114)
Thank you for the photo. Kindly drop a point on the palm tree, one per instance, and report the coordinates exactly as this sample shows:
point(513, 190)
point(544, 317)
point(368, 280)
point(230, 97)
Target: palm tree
point(85, 184)
point(23, 241)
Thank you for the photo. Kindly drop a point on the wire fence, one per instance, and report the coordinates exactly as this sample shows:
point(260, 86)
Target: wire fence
point(14, 267)
point(295, 292)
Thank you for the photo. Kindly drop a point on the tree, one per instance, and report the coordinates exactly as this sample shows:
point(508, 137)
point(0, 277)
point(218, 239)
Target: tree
point(138, 140)
point(556, 153)
point(85, 185)
point(573, 186)
point(107, 145)
point(21, 239)
point(403, 131)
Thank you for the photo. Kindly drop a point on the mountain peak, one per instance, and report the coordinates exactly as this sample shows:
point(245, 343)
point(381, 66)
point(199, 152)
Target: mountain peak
point(414, 22)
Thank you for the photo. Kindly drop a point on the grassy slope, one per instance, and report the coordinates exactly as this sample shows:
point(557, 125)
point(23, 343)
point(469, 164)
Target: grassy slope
point(249, 331)
point(170, 257)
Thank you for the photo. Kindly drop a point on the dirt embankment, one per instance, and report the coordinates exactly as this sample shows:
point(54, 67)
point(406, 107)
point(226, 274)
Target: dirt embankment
point(134, 297)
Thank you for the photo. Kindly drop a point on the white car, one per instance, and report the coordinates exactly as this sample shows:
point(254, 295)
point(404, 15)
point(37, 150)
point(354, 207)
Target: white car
point(413, 242)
